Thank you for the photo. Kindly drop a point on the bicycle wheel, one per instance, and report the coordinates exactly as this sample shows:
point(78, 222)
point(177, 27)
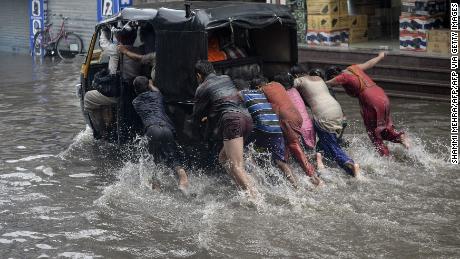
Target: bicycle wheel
point(69, 45)
point(41, 42)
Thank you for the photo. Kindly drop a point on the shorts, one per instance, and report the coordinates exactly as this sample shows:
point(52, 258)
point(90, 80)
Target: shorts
point(235, 125)
point(273, 143)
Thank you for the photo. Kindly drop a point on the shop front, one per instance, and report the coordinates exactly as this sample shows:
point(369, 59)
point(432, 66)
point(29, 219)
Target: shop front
point(409, 26)
point(345, 32)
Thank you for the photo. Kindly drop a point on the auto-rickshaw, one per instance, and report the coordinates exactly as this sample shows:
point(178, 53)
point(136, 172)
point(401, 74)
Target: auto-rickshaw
point(261, 38)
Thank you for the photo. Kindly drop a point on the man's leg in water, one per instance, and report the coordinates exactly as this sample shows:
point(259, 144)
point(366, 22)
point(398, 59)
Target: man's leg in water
point(390, 134)
point(308, 168)
point(275, 145)
point(164, 148)
point(286, 169)
point(380, 146)
point(293, 144)
point(94, 102)
point(183, 179)
point(232, 153)
point(329, 143)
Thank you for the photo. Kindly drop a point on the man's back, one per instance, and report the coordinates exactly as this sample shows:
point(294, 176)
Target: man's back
point(326, 110)
point(150, 107)
point(261, 110)
point(282, 105)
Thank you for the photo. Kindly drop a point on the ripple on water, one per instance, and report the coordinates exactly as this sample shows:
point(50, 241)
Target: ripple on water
point(29, 158)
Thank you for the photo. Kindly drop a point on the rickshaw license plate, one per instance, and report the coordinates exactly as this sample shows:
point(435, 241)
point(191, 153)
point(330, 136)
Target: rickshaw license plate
point(74, 47)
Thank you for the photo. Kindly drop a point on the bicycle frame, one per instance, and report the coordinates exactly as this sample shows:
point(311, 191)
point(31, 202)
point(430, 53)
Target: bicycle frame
point(61, 31)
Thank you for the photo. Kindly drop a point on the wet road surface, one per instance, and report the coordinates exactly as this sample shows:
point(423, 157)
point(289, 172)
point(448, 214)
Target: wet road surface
point(64, 195)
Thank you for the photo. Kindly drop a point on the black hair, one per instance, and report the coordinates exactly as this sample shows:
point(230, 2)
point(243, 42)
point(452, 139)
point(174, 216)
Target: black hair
point(299, 70)
point(258, 81)
point(332, 72)
point(241, 84)
point(204, 68)
point(317, 72)
point(285, 79)
point(127, 37)
point(141, 84)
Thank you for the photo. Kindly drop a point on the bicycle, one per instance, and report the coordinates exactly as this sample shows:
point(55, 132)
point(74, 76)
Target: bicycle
point(66, 44)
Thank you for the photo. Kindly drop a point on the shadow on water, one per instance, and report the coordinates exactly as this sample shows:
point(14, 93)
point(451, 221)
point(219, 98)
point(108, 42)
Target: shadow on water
point(63, 194)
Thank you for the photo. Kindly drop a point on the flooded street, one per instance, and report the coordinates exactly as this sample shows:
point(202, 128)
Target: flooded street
point(64, 195)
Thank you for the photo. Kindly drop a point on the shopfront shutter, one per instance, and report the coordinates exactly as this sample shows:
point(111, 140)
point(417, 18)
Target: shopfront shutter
point(14, 26)
point(82, 17)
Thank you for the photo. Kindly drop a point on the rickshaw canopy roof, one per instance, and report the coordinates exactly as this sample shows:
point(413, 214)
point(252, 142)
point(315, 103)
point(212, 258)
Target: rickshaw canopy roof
point(132, 14)
point(206, 15)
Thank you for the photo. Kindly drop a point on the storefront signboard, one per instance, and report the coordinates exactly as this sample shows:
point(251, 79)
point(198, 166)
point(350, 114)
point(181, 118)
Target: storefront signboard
point(38, 13)
point(107, 8)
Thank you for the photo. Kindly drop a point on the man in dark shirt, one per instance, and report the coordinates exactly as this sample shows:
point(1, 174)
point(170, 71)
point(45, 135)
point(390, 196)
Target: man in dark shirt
point(159, 129)
point(218, 103)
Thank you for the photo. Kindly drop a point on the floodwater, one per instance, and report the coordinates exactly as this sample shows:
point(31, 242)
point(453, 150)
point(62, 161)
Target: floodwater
point(64, 195)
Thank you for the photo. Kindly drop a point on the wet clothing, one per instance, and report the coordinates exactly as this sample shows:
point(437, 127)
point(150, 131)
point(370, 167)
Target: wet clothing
point(131, 67)
point(109, 49)
point(234, 125)
point(328, 143)
point(307, 131)
point(375, 107)
point(328, 119)
point(151, 108)
point(150, 60)
point(267, 133)
point(272, 143)
point(265, 119)
point(162, 145)
point(94, 100)
point(326, 110)
point(158, 128)
point(290, 122)
point(215, 97)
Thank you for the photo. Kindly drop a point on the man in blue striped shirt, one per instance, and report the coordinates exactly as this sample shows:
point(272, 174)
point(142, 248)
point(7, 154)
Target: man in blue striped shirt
point(267, 132)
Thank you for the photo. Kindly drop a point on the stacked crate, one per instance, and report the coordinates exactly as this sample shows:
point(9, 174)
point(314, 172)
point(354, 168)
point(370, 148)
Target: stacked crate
point(417, 18)
point(439, 42)
point(358, 28)
point(328, 23)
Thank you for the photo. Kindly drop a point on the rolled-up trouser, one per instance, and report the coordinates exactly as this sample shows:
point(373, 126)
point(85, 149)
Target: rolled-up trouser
point(162, 145)
point(329, 144)
point(94, 100)
point(94, 104)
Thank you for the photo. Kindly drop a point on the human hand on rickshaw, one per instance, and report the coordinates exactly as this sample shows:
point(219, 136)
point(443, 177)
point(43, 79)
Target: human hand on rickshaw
point(122, 49)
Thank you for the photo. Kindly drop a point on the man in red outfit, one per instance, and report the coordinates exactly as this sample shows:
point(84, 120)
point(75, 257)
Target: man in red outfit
point(375, 105)
point(290, 122)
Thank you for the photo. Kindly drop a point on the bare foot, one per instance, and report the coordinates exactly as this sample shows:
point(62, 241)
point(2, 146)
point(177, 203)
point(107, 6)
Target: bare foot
point(405, 141)
point(356, 170)
point(319, 161)
point(252, 192)
point(315, 180)
point(293, 180)
point(183, 180)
